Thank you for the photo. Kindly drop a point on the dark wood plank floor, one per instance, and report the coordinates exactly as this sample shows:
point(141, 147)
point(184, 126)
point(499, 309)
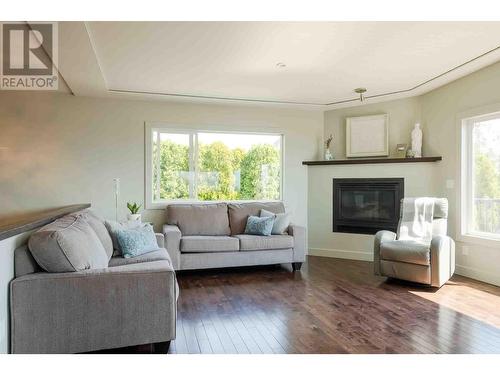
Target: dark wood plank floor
point(332, 306)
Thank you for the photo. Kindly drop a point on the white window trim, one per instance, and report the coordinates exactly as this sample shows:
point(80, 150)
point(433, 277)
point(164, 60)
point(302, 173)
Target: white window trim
point(150, 127)
point(464, 195)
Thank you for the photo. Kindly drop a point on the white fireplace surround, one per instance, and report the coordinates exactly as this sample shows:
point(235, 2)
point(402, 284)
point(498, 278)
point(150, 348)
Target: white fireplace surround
point(419, 181)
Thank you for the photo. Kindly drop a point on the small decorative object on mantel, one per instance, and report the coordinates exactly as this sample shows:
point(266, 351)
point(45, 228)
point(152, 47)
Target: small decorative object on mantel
point(401, 149)
point(416, 141)
point(134, 214)
point(328, 153)
point(367, 136)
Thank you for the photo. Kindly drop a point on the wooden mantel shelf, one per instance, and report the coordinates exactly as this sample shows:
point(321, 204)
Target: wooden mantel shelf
point(425, 159)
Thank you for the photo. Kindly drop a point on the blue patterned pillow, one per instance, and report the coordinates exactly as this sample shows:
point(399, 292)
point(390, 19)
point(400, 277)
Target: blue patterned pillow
point(261, 226)
point(136, 241)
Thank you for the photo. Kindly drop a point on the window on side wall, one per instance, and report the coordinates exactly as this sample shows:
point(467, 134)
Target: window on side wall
point(480, 199)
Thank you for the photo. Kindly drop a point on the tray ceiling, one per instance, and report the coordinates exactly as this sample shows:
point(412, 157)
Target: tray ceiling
point(243, 61)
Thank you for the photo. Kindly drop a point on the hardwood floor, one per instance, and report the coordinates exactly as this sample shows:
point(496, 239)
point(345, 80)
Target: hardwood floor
point(332, 306)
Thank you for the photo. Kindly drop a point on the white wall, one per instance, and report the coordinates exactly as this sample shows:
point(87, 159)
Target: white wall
point(418, 177)
point(58, 149)
point(419, 181)
point(441, 110)
point(438, 111)
point(402, 115)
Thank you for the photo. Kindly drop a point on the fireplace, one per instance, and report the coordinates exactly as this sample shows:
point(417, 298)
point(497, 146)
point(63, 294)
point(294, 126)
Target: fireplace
point(366, 205)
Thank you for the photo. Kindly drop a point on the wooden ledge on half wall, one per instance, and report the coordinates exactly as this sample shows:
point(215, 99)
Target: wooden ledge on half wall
point(379, 160)
point(12, 226)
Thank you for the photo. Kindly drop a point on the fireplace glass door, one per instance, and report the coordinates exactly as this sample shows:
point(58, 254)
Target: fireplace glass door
point(366, 205)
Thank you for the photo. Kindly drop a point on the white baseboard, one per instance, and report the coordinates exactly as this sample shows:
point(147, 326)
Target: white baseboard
point(343, 254)
point(478, 274)
point(473, 273)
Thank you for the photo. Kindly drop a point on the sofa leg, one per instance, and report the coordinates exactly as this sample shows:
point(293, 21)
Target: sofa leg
point(161, 347)
point(296, 266)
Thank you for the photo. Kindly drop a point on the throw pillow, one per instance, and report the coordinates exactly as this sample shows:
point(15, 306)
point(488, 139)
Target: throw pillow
point(114, 226)
point(281, 221)
point(260, 226)
point(136, 241)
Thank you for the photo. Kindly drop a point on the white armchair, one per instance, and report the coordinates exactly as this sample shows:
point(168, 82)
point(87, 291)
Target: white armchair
point(409, 260)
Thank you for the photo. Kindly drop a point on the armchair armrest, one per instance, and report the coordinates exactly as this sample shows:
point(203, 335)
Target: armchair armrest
point(380, 236)
point(172, 243)
point(299, 242)
point(91, 310)
point(442, 260)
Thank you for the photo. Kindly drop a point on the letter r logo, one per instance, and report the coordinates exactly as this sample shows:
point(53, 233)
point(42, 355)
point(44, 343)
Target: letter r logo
point(27, 49)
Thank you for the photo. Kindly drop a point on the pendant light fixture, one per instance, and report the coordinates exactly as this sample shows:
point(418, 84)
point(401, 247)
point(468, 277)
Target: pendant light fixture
point(360, 91)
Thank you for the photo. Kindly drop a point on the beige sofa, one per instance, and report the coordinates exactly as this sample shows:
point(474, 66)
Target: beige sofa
point(125, 302)
point(212, 235)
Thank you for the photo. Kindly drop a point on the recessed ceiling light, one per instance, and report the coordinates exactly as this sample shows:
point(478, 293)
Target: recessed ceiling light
point(281, 65)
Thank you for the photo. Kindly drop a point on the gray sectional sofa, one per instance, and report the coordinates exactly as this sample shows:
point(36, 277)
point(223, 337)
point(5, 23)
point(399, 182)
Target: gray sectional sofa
point(123, 302)
point(212, 235)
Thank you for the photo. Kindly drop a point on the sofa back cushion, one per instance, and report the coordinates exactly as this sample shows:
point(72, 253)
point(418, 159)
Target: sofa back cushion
point(66, 245)
point(239, 213)
point(97, 224)
point(199, 219)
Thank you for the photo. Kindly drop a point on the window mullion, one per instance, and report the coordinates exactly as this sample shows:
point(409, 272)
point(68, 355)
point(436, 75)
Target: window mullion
point(157, 166)
point(195, 166)
point(470, 176)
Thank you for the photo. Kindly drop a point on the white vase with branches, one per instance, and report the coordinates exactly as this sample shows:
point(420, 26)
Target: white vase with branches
point(328, 153)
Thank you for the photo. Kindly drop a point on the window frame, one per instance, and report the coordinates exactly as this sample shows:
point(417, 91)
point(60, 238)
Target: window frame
point(151, 127)
point(466, 194)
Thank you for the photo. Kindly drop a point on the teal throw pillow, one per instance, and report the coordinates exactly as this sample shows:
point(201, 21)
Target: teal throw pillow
point(260, 226)
point(136, 241)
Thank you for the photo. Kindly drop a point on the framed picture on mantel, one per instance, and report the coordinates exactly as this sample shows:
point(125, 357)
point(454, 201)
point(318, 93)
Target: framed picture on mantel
point(367, 136)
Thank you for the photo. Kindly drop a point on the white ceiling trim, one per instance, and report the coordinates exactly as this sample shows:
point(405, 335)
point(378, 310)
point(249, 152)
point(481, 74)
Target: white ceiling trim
point(80, 67)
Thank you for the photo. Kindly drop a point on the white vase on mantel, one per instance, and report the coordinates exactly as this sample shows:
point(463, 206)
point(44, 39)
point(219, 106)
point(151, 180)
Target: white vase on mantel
point(328, 154)
point(416, 141)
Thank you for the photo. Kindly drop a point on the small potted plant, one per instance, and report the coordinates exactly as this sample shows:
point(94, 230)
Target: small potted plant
point(134, 214)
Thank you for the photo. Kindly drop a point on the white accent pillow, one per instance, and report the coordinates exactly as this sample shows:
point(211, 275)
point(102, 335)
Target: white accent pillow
point(281, 221)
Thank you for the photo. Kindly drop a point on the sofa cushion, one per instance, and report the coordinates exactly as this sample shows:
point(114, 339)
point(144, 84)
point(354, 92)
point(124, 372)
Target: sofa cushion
point(209, 244)
point(239, 213)
point(260, 226)
point(281, 221)
point(114, 226)
point(66, 245)
point(405, 251)
point(97, 224)
point(137, 241)
point(199, 219)
point(250, 242)
point(153, 256)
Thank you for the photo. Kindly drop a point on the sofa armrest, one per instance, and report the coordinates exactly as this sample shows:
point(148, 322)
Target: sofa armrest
point(380, 236)
point(299, 242)
point(160, 240)
point(442, 260)
point(172, 244)
point(93, 309)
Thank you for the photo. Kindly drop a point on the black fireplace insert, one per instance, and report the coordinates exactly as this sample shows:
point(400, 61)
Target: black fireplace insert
point(366, 205)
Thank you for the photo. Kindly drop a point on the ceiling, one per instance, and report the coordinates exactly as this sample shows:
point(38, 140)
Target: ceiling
point(237, 62)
